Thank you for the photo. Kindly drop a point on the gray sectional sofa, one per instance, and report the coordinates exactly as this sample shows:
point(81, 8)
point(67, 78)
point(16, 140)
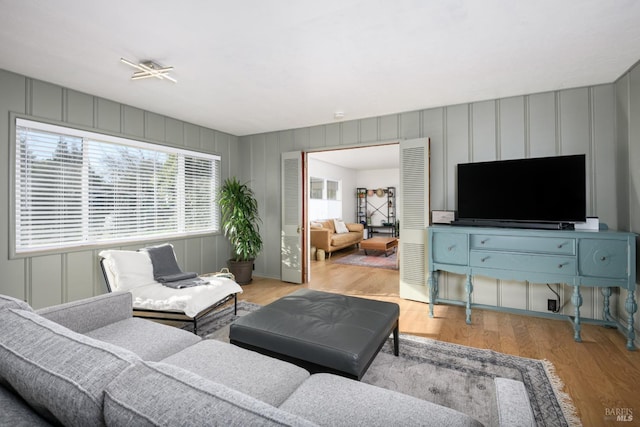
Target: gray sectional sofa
point(90, 362)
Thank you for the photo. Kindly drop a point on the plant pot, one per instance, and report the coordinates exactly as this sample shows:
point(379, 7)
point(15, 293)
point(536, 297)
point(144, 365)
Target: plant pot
point(242, 270)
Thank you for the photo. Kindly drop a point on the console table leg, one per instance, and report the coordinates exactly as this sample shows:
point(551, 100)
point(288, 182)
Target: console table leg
point(576, 299)
point(469, 289)
point(606, 293)
point(433, 290)
point(631, 306)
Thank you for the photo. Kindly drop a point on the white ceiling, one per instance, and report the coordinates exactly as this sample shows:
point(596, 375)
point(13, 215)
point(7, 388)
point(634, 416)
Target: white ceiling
point(364, 158)
point(252, 66)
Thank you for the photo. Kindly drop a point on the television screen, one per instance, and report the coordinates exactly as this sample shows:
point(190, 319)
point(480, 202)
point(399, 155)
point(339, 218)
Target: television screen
point(545, 189)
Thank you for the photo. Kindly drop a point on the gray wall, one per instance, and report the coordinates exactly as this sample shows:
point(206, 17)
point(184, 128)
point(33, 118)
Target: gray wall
point(574, 121)
point(628, 157)
point(602, 121)
point(344, 208)
point(51, 279)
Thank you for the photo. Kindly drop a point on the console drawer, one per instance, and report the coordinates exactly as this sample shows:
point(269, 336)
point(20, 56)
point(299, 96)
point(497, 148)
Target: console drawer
point(450, 248)
point(604, 258)
point(563, 265)
point(542, 245)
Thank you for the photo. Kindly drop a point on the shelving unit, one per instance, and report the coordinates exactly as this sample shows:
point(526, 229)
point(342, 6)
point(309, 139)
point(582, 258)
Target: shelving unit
point(380, 201)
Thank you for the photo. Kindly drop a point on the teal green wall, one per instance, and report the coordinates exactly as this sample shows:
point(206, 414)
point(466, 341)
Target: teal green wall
point(51, 279)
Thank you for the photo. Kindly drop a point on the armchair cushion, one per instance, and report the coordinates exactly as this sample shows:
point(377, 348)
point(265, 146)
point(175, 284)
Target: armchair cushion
point(127, 270)
point(136, 270)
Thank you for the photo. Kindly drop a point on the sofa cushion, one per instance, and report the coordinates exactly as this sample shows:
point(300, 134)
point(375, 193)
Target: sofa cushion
point(329, 224)
point(346, 239)
point(11, 302)
point(514, 407)
point(59, 373)
point(325, 399)
point(149, 340)
point(157, 394)
point(357, 227)
point(340, 226)
point(127, 269)
point(262, 377)
point(15, 412)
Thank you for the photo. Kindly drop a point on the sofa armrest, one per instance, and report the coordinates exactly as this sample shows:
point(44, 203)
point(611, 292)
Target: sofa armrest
point(91, 313)
point(321, 238)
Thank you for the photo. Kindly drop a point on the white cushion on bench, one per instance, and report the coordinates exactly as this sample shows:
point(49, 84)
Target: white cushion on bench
point(133, 271)
point(127, 270)
point(189, 301)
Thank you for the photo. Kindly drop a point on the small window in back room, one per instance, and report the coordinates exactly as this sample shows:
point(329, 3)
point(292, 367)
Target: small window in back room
point(333, 190)
point(316, 188)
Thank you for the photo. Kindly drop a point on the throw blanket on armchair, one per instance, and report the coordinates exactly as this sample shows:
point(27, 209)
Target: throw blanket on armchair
point(167, 271)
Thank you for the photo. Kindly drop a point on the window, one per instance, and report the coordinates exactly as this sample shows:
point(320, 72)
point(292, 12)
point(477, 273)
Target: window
point(333, 189)
point(76, 188)
point(316, 188)
point(324, 189)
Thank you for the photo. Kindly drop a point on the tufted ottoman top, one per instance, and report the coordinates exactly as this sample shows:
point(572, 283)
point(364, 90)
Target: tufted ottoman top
point(320, 331)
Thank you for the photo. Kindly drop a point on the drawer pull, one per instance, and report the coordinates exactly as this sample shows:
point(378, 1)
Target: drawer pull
point(482, 242)
point(484, 259)
point(603, 258)
point(450, 248)
point(563, 264)
point(561, 245)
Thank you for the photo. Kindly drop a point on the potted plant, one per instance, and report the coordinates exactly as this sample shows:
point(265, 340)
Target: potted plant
point(240, 224)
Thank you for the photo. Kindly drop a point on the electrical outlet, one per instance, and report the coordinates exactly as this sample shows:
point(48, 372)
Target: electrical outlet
point(552, 305)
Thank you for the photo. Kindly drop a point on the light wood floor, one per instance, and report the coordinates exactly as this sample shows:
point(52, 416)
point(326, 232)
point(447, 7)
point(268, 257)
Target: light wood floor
point(599, 374)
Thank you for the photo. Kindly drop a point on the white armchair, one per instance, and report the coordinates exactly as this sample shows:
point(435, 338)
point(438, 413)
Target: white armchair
point(132, 271)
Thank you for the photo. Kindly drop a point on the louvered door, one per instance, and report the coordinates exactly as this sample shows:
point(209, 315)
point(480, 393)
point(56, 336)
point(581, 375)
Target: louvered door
point(292, 229)
point(414, 218)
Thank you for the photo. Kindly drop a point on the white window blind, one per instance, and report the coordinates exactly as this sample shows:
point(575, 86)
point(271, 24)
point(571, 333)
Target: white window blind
point(76, 188)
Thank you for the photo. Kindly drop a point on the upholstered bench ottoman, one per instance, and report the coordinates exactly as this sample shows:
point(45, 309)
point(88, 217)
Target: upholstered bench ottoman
point(320, 331)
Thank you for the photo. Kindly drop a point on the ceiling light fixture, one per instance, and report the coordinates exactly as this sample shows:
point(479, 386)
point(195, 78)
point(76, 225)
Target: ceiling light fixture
point(148, 69)
point(338, 115)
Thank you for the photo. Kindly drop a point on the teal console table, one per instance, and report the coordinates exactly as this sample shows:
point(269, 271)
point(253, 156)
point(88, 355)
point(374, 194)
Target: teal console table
point(602, 259)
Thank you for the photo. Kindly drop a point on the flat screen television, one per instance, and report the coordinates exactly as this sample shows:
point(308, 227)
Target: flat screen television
point(544, 192)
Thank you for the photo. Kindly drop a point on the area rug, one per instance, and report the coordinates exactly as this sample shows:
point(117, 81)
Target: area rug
point(452, 375)
point(375, 259)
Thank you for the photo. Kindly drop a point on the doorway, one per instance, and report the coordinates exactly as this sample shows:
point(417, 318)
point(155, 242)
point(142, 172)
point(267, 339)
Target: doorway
point(334, 177)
